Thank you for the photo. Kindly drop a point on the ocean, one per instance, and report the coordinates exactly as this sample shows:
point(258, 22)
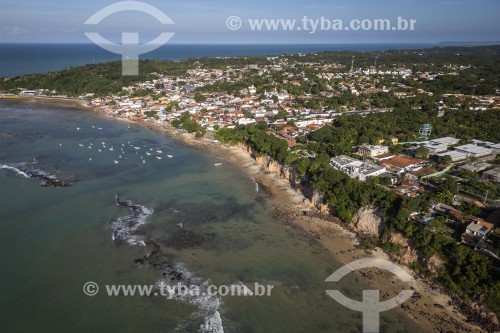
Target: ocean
point(20, 59)
point(131, 218)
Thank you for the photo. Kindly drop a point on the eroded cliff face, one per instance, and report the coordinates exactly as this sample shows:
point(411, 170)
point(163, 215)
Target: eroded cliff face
point(269, 165)
point(407, 254)
point(369, 220)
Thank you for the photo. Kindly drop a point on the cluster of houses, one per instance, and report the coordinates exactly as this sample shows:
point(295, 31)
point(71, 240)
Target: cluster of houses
point(167, 98)
point(377, 161)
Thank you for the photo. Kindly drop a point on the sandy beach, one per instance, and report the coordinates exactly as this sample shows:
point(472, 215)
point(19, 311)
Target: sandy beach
point(46, 100)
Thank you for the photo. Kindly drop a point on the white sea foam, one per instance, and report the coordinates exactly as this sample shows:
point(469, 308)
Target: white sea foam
point(209, 305)
point(124, 227)
point(16, 170)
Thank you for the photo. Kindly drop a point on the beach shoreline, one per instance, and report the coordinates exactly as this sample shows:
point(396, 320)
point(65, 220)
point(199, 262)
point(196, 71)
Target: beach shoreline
point(431, 309)
point(47, 100)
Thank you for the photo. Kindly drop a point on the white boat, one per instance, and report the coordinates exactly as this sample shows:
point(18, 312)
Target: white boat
point(159, 151)
point(143, 161)
point(170, 156)
point(116, 162)
point(90, 159)
point(78, 128)
point(218, 164)
point(148, 153)
point(111, 149)
point(99, 150)
point(159, 157)
point(80, 145)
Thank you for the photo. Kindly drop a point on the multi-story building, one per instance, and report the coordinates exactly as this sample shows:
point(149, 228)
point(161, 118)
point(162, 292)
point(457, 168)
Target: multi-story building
point(372, 151)
point(355, 168)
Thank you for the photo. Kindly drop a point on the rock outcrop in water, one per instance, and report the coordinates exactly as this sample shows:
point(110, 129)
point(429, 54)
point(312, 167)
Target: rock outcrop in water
point(125, 227)
point(28, 170)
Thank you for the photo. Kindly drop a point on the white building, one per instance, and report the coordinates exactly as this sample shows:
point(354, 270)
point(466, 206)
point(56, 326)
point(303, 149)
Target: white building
point(246, 121)
point(355, 168)
point(439, 145)
point(456, 156)
point(492, 175)
point(305, 123)
point(372, 151)
point(473, 150)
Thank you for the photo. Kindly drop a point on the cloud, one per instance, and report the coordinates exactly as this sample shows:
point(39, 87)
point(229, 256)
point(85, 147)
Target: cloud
point(16, 30)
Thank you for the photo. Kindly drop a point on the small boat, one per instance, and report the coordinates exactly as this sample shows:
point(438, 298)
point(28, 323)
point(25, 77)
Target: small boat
point(170, 156)
point(218, 164)
point(80, 145)
point(159, 157)
point(100, 128)
point(159, 151)
point(143, 161)
point(99, 150)
point(137, 148)
point(111, 149)
point(148, 153)
point(93, 126)
point(78, 128)
point(90, 147)
point(90, 159)
point(116, 162)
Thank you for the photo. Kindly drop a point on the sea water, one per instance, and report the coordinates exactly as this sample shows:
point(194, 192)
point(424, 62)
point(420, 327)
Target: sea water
point(207, 223)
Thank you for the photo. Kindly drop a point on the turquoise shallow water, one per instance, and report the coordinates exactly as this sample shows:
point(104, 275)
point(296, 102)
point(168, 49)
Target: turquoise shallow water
point(53, 240)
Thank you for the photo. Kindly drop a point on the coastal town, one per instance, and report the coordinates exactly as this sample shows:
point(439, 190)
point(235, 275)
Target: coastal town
point(315, 118)
point(405, 167)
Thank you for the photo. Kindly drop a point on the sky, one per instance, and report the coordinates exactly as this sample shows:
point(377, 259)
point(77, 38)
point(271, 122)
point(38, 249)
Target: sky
point(206, 22)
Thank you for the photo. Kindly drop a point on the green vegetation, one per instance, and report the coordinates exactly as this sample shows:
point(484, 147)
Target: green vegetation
point(99, 79)
point(466, 272)
point(350, 130)
point(257, 138)
point(185, 122)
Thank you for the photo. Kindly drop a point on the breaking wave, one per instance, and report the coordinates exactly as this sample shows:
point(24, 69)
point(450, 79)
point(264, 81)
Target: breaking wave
point(124, 227)
point(208, 305)
point(28, 170)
